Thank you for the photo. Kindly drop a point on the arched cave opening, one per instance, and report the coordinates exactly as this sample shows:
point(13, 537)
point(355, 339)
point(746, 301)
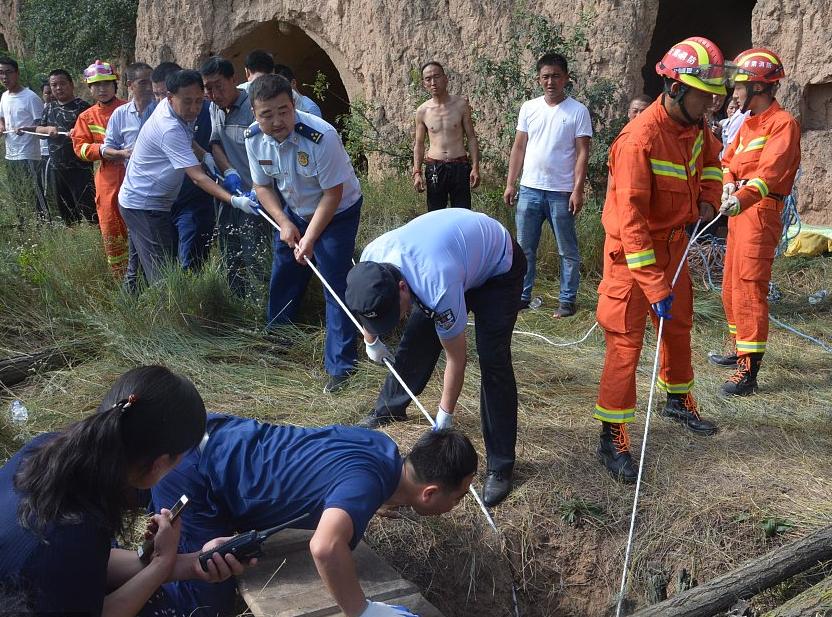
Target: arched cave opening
point(291, 46)
point(728, 24)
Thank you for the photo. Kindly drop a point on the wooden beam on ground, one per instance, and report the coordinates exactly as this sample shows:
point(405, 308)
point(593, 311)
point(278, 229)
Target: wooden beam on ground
point(749, 579)
point(816, 600)
point(17, 368)
point(285, 582)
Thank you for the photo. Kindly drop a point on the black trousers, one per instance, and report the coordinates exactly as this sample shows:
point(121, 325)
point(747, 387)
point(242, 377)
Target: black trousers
point(495, 305)
point(74, 194)
point(448, 183)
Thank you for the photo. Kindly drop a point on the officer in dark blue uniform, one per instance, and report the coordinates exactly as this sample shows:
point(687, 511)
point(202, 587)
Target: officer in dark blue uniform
point(317, 208)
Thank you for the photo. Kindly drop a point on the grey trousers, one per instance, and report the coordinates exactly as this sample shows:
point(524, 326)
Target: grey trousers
point(152, 243)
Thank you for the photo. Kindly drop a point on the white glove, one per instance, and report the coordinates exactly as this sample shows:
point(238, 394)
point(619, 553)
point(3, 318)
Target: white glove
point(380, 609)
point(377, 351)
point(243, 203)
point(728, 190)
point(443, 420)
point(730, 206)
point(210, 164)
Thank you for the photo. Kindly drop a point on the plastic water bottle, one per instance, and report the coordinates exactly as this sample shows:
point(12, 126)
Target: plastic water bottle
point(18, 412)
point(818, 296)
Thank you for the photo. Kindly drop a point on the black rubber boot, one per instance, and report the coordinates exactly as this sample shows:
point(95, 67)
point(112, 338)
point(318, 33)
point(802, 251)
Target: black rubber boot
point(744, 381)
point(614, 453)
point(682, 408)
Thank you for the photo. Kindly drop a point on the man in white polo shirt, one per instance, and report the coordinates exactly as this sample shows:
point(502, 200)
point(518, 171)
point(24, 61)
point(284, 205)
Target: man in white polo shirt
point(163, 154)
point(551, 147)
point(317, 209)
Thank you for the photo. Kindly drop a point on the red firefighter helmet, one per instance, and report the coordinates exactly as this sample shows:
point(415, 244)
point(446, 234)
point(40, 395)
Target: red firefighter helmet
point(698, 63)
point(760, 65)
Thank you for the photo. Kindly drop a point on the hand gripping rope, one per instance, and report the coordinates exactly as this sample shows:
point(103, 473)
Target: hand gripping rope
point(625, 573)
point(261, 211)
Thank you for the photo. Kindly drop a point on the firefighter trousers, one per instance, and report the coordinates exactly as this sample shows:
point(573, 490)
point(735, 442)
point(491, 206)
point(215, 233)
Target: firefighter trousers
point(622, 312)
point(108, 180)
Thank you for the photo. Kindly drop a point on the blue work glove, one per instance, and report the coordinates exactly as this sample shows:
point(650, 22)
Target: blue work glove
point(380, 609)
point(252, 195)
point(241, 202)
point(232, 182)
point(662, 307)
point(444, 420)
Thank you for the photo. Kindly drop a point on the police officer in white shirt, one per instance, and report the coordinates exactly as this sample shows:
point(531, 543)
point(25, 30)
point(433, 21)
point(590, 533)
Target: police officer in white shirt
point(317, 209)
point(446, 263)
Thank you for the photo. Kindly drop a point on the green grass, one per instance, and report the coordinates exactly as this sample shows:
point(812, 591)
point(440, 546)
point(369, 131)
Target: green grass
point(704, 500)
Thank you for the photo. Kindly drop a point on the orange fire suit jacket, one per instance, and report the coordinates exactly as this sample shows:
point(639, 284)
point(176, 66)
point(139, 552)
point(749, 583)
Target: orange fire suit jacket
point(661, 171)
point(764, 155)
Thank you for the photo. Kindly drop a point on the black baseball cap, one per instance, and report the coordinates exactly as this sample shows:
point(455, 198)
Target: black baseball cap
point(373, 295)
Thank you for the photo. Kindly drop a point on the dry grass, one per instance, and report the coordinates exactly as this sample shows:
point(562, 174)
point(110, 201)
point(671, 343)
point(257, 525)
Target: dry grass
point(703, 501)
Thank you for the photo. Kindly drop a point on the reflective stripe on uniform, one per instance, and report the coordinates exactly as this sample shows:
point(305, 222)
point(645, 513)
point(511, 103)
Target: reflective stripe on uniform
point(732, 329)
point(640, 259)
point(666, 168)
point(96, 128)
point(760, 185)
point(745, 347)
point(757, 143)
point(83, 151)
point(712, 173)
point(616, 416)
point(674, 388)
point(695, 152)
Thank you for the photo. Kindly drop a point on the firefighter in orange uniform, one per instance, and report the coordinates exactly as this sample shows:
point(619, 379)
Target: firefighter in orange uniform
point(87, 138)
point(759, 168)
point(664, 175)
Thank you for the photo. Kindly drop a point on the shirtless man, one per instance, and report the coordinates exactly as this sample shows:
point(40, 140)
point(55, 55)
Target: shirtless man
point(446, 120)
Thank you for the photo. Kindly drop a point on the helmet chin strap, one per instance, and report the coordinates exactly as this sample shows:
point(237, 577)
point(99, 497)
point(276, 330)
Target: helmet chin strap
point(679, 99)
point(750, 94)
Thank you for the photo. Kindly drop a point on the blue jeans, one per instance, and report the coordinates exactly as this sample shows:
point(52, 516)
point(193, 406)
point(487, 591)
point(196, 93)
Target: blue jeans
point(534, 206)
point(194, 223)
point(333, 257)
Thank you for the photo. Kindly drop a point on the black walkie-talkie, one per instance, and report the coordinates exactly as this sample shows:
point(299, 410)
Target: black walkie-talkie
point(246, 545)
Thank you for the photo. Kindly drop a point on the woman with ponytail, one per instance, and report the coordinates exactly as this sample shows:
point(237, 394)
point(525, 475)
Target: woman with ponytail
point(66, 496)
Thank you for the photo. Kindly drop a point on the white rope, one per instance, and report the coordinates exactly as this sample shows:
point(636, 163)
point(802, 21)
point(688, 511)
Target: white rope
point(548, 340)
point(625, 573)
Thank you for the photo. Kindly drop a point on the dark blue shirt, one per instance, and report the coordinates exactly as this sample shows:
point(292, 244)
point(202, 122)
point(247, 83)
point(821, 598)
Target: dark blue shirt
point(261, 475)
point(63, 571)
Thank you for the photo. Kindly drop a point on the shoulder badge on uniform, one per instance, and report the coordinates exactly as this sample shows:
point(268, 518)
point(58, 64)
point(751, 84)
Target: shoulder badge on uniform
point(445, 320)
point(308, 132)
point(303, 158)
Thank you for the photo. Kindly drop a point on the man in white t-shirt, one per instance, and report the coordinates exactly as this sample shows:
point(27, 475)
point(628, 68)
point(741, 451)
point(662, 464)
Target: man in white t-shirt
point(551, 147)
point(20, 107)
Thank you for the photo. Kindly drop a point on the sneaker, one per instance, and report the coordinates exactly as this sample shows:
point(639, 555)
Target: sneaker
point(683, 409)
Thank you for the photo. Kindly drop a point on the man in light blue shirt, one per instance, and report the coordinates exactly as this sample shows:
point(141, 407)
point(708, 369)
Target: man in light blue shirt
point(317, 208)
point(126, 121)
point(161, 158)
point(435, 269)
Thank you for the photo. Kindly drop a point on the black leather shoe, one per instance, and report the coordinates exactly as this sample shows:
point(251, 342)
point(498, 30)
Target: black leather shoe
point(566, 309)
point(614, 453)
point(727, 360)
point(374, 420)
point(682, 408)
point(496, 487)
point(336, 383)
